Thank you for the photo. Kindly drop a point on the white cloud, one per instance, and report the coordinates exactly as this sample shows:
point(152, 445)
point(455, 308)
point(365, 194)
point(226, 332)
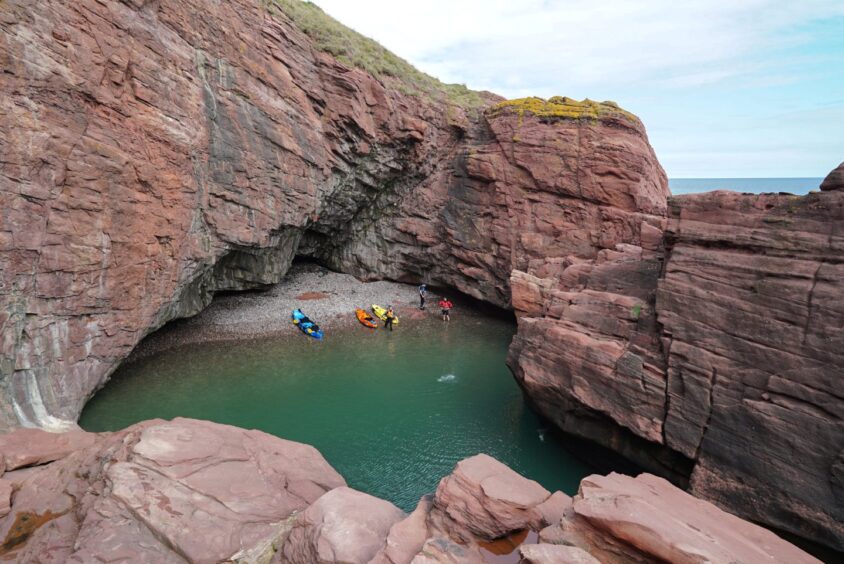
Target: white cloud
point(557, 46)
point(702, 74)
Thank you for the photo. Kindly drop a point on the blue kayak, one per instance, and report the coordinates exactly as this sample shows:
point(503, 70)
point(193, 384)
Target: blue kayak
point(307, 326)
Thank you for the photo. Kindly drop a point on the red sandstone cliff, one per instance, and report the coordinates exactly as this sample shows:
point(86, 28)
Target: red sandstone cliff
point(153, 153)
point(722, 343)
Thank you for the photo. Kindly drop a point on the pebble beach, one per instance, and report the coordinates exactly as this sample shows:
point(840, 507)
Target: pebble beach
point(329, 298)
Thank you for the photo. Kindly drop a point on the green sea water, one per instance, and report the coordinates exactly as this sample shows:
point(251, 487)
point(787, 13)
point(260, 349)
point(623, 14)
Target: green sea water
point(392, 412)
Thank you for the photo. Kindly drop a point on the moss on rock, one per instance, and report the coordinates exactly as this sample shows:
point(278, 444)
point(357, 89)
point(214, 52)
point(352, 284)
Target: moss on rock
point(561, 107)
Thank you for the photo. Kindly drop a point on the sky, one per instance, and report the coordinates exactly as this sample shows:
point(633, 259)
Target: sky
point(726, 88)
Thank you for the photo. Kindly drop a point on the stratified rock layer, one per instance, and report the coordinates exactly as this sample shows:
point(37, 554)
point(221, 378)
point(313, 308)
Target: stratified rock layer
point(154, 153)
point(752, 314)
point(196, 491)
point(720, 343)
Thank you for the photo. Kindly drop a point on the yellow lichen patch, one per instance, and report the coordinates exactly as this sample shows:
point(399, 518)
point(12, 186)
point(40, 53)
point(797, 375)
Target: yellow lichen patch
point(562, 107)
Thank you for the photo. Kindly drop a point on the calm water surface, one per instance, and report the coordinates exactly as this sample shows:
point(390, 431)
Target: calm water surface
point(393, 412)
point(753, 185)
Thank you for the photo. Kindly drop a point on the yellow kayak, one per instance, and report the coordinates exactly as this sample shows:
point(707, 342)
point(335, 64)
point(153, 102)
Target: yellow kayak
point(381, 314)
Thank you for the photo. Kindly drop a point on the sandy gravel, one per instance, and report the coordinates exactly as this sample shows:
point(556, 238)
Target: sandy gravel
point(329, 298)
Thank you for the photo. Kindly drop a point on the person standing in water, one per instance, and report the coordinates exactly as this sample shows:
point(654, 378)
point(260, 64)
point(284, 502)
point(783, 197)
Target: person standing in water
point(423, 291)
point(389, 318)
point(445, 308)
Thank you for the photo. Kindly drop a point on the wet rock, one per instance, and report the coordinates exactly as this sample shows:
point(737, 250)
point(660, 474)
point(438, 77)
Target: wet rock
point(343, 526)
point(30, 447)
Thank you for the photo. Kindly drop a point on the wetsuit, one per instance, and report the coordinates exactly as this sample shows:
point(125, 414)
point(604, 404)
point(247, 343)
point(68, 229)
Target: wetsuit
point(388, 320)
point(422, 292)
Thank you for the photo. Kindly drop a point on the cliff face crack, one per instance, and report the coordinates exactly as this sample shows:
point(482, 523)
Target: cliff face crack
point(713, 382)
point(809, 303)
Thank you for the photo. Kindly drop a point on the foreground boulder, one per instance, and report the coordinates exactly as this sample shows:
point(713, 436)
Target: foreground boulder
point(487, 499)
point(165, 492)
point(344, 526)
point(196, 491)
point(618, 518)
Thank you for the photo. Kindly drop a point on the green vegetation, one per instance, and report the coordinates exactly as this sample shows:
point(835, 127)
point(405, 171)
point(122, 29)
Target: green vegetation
point(562, 107)
point(354, 49)
point(636, 311)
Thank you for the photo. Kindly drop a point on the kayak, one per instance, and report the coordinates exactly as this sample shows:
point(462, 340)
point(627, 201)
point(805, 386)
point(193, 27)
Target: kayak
point(307, 326)
point(365, 318)
point(381, 314)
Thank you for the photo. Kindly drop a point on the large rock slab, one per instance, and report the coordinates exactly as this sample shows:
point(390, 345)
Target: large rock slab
point(166, 492)
point(619, 518)
point(30, 447)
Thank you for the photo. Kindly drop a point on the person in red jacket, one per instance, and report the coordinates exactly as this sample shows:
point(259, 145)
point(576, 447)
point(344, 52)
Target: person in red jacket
point(445, 307)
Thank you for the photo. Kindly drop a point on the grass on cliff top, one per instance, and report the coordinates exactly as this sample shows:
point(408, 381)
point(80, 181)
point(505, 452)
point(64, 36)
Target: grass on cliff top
point(354, 49)
point(563, 108)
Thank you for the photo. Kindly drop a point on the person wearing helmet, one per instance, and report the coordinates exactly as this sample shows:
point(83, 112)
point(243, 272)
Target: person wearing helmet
point(423, 291)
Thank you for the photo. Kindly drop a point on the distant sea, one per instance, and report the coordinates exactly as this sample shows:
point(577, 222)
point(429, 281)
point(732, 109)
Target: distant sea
point(753, 185)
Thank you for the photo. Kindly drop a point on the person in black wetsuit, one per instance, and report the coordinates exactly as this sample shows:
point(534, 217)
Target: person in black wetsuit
point(423, 291)
point(389, 318)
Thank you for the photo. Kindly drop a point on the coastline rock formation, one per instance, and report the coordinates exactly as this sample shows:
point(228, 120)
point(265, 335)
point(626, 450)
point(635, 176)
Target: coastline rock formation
point(186, 155)
point(153, 153)
point(731, 358)
point(188, 490)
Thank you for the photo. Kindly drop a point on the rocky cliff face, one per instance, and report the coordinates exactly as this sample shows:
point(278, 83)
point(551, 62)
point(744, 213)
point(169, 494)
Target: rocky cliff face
point(156, 152)
point(187, 490)
point(196, 148)
point(153, 153)
point(716, 350)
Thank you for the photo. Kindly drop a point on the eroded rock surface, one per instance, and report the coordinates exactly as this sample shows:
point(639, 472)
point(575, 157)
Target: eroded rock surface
point(197, 147)
point(716, 349)
point(165, 492)
point(30, 447)
point(188, 490)
point(618, 518)
point(834, 180)
point(154, 153)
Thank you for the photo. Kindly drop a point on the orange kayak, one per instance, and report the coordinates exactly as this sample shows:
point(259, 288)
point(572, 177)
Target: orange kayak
point(365, 318)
